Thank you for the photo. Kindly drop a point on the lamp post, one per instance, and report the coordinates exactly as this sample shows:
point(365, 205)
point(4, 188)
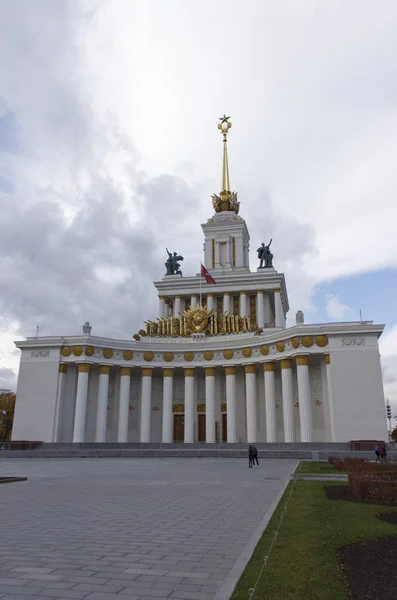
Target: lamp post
point(388, 413)
point(3, 421)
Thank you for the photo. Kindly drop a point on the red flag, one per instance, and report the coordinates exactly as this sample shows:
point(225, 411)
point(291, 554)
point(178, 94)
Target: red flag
point(208, 278)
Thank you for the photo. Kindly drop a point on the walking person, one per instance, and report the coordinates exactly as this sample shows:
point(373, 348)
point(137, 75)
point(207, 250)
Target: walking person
point(250, 457)
point(255, 456)
point(377, 452)
point(383, 453)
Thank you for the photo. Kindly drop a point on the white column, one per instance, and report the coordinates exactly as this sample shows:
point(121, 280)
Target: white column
point(63, 369)
point(168, 384)
point(226, 302)
point(305, 409)
point(124, 404)
point(210, 405)
point(270, 402)
point(330, 397)
point(210, 302)
point(102, 404)
point(260, 309)
point(193, 301)
point(288, 404)
point(278, 309)
point(243, 304)
point(161, 307)
point(177, 306)
point(250, 386)
point(189, 405)
point(83, 370)
point(166, 308)
point(231, 405)
point(146, 404)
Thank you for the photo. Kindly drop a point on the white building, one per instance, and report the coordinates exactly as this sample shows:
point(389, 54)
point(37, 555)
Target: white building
point(228, 370)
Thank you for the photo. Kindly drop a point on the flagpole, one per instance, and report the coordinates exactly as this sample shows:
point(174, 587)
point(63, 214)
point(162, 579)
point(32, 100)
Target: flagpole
point(200, 284)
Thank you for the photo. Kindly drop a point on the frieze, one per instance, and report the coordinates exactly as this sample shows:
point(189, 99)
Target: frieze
point(353, 341)
point(40, 354)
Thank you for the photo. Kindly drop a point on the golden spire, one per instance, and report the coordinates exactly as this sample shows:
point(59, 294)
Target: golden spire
point(224, 127)
point(227, 200)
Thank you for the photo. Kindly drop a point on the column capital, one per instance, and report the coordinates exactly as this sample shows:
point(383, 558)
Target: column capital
point(243, 292)
point(147, 372)
point(286, 363)
point(277, 290)
point(250, 368)
point(259, 291)
point(210, 294)
point(230, 370)
point(210, 371)
point(327, 359)
point(226, 293)
point(83, 367)
point(125, 371)
point(167, 372)
point(63, 368)
point(161, 297)
point(104, 369)
point(193, 295)
point(178, 296)
point(268, 366)
point(302, 360)
point(188, 371)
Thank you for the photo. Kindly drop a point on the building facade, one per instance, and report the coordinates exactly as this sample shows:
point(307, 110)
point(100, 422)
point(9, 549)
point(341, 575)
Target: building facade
point(217, 364)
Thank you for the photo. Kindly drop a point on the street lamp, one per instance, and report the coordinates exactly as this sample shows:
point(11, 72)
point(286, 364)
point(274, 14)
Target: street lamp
point(388, 413)
point(3, 421)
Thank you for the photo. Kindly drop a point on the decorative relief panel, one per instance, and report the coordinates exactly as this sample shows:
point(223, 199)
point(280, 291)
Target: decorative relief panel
point(40, 354)
point(353, 341)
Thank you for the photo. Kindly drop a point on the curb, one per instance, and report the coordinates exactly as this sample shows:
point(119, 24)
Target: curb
point(227, 587)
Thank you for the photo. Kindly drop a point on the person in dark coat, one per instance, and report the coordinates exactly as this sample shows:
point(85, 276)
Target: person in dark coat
point(255, 456)
point(250, 457)
point(383, 453)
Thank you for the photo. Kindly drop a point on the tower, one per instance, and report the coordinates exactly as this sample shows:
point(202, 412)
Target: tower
point(226, 237)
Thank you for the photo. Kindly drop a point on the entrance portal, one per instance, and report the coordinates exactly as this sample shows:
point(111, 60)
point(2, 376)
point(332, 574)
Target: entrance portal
point(179, 428)
point(224, 427)
point(201, 428)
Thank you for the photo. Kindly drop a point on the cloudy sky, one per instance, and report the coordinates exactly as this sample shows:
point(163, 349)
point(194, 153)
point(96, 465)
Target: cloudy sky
point(109, 152)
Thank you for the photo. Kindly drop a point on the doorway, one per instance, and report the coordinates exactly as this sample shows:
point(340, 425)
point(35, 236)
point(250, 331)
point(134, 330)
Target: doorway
point(179, 428)
point(201, 428)
point(224, 427)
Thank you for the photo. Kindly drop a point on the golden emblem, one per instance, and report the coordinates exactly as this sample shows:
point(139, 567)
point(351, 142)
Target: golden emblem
point(197, 319)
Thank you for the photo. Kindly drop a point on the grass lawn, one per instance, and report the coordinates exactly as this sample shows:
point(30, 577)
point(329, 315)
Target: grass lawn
point(308, 466)
point(303, 565)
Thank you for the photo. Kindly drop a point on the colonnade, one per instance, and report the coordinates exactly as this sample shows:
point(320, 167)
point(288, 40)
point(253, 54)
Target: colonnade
point(262, 306)
point(251, 372)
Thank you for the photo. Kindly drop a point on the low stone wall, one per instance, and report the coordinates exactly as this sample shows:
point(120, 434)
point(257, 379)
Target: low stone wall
point(303, 451)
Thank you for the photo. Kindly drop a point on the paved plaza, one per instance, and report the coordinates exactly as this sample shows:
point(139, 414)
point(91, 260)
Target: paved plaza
point(124, 529)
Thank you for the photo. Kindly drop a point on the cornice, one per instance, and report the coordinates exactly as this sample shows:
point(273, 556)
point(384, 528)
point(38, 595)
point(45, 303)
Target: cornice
point(313, 339)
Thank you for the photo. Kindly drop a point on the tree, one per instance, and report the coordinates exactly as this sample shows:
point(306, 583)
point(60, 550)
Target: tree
point(7, 407)
point(394, 434)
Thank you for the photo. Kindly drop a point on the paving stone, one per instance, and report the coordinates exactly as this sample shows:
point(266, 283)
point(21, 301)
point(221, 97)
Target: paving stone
point(66, 594)
point(128, 528)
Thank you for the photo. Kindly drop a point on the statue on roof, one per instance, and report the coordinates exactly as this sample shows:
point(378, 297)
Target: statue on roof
point(172, 263)
point(265, 256)
point(87, 328)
